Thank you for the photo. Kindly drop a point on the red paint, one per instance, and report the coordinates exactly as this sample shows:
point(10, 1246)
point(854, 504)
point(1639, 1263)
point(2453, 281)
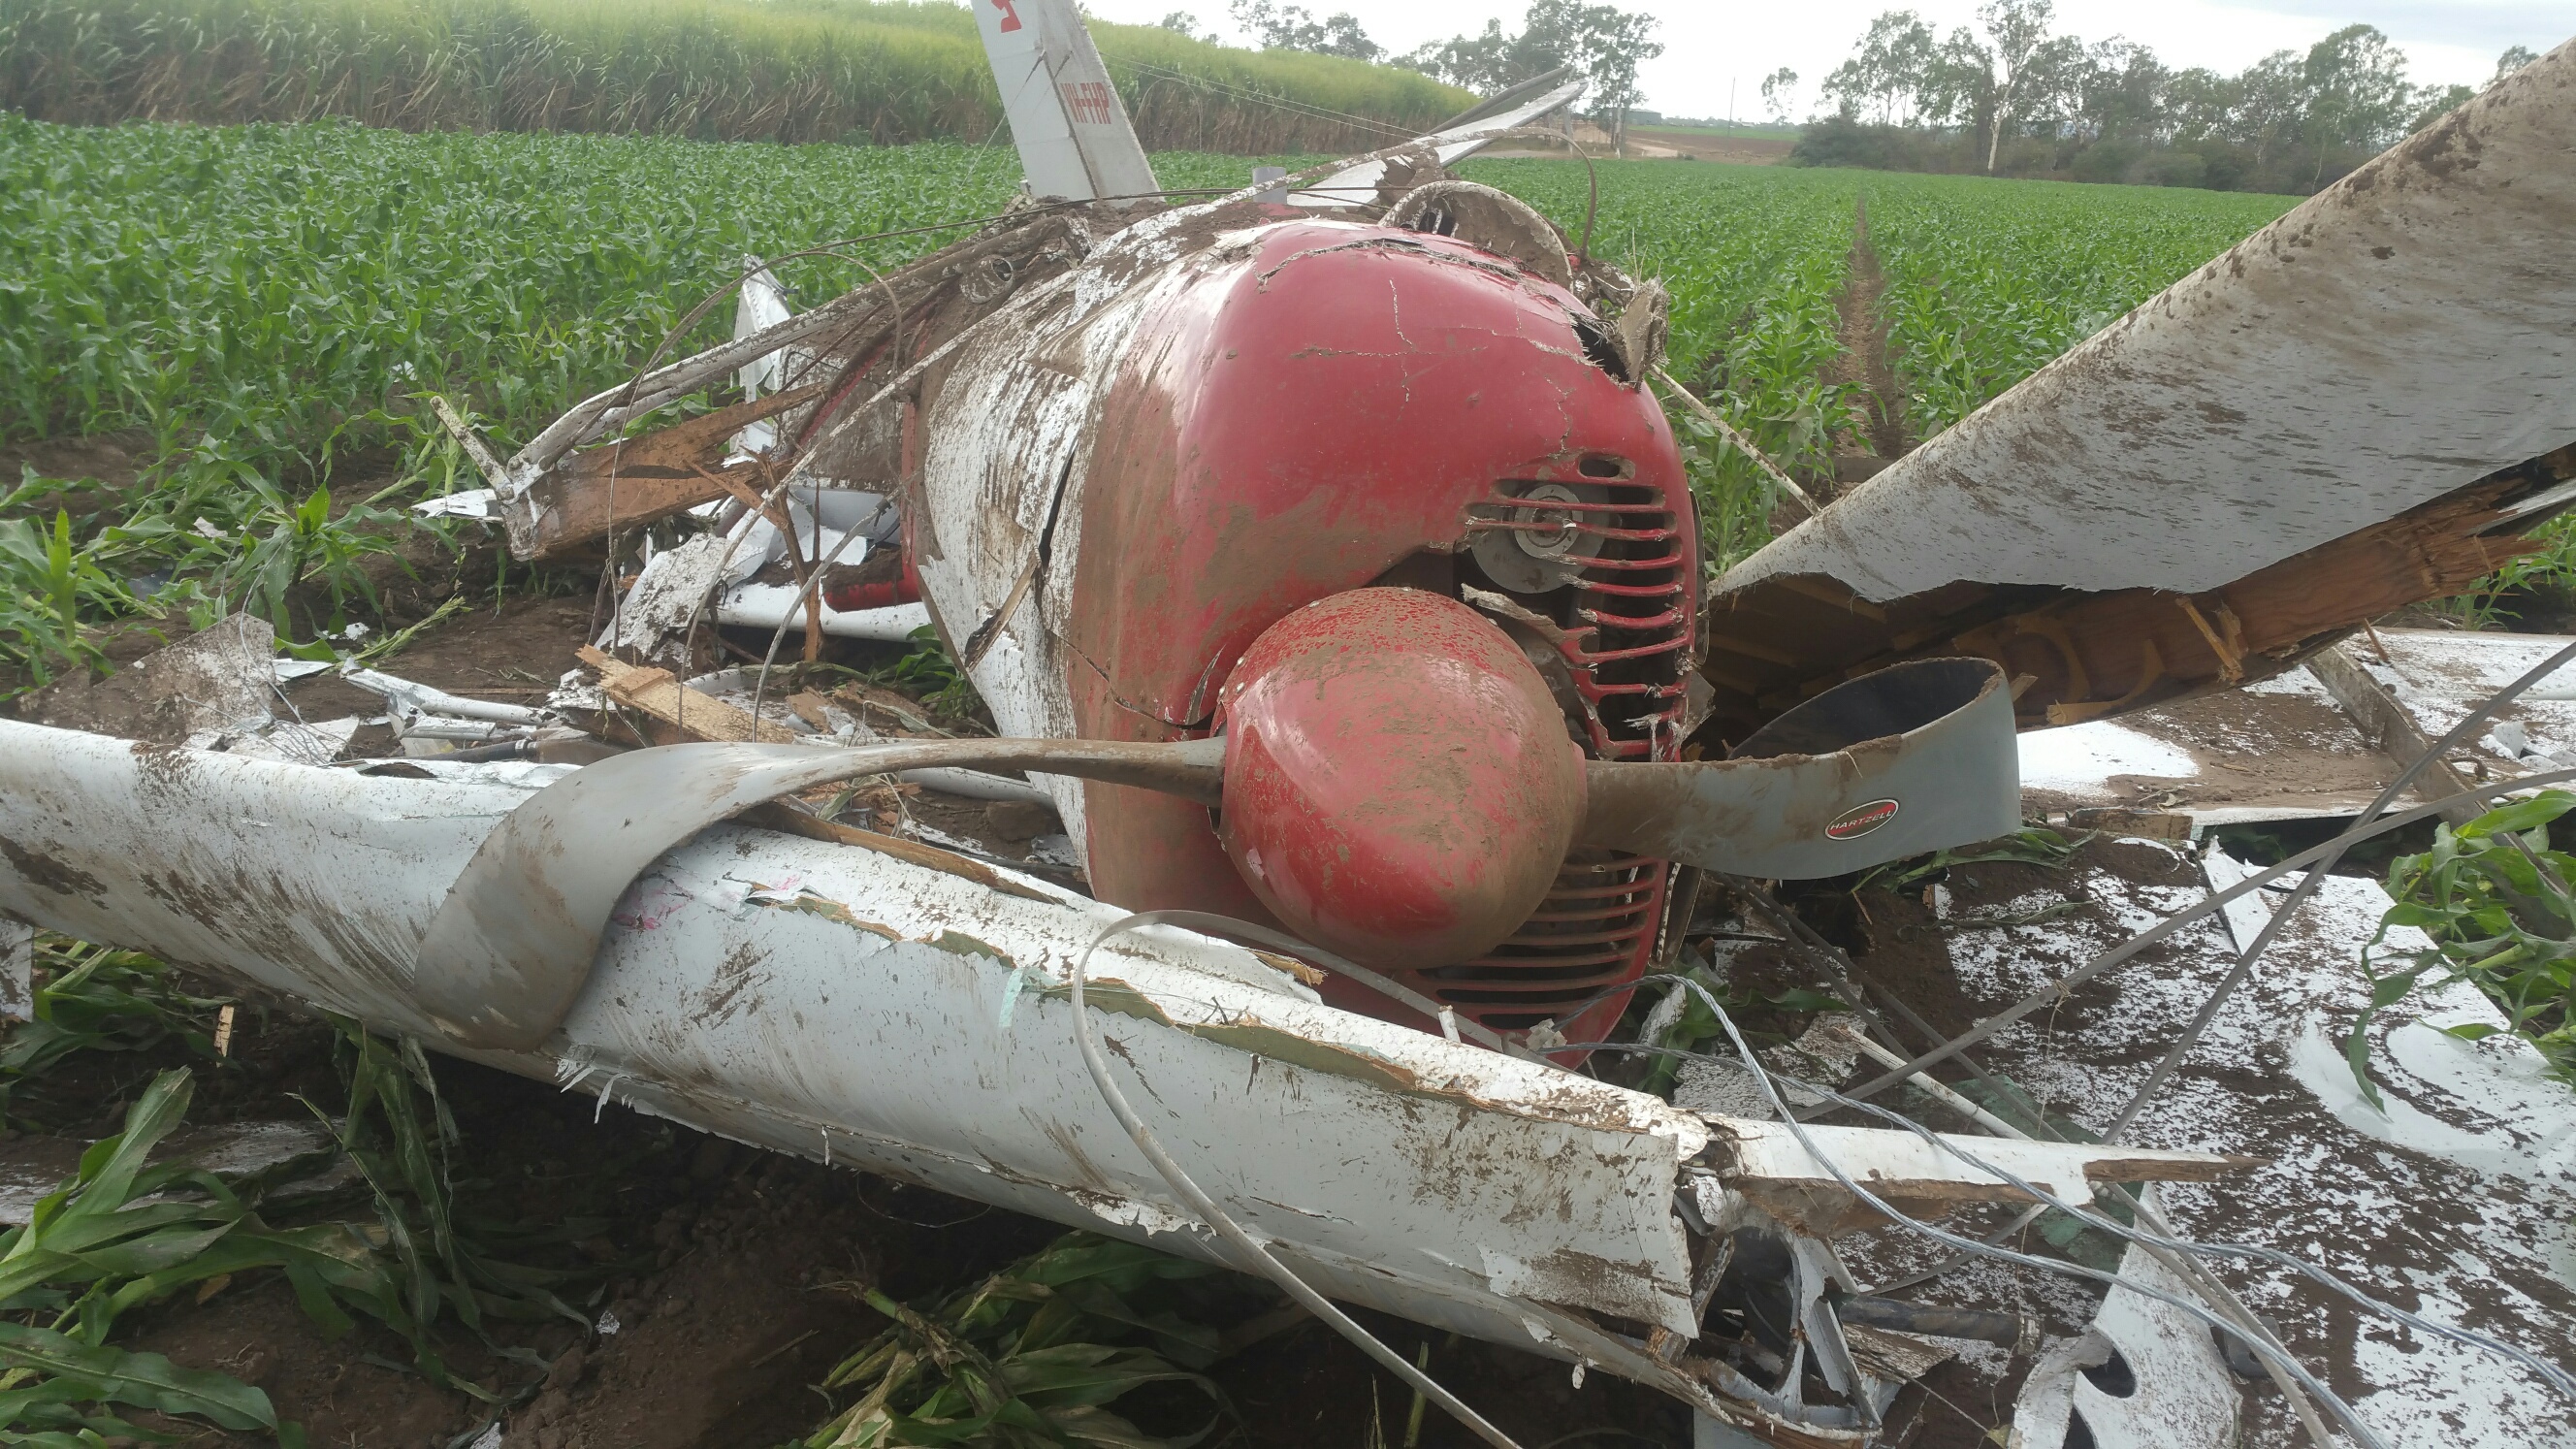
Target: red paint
point(1399, 786)
point(885, 593)
point(1088, 102)
point(1293, 425)
point(1860, 820)
point(1010, 15)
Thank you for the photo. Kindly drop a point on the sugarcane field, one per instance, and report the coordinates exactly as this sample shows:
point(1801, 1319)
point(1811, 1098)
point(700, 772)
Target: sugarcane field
point(844, 724)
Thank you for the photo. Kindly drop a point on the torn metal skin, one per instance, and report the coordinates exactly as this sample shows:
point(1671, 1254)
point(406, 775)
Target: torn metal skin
point(841, 1003)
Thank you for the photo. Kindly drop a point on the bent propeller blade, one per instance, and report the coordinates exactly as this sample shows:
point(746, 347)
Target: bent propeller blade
point(1913, 758)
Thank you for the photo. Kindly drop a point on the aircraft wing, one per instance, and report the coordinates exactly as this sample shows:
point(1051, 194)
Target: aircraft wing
point(2358, 407)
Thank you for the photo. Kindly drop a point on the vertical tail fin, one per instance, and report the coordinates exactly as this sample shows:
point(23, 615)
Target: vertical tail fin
point(1074, 137)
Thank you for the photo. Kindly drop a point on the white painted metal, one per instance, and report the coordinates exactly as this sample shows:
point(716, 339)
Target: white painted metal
point(826, 999)
point(1072, 130)
point(766, 606)
point(1357, 183)
point(2398, 336)
point(1008, 445)
point(1903, 1165)
point(762, 305)
point(878, 1011)
point(17, 970)
point(2181, 1396)
point(409, 701)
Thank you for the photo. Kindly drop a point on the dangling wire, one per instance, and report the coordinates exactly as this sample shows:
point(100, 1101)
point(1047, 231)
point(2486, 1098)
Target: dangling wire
point(1232, 1232)
point(1763, 1077)
point(2214, 902)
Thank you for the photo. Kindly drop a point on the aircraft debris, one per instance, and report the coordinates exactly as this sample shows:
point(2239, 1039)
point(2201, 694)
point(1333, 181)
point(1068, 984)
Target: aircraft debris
point(1392, 757)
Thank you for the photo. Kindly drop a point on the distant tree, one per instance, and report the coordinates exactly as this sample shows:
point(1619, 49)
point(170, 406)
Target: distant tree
point(1482, 63)
point(2514, 58)
point(1183, 22)
point(2356, 92)
point(1606, 44)
point(1779, 95)
point(2197, 104)
point(1294, 27)
point(2115, 109)
point(2118, 93)
point(2270, 104)
point(1887, 69)
point(2433, 104)
point(2016, 70)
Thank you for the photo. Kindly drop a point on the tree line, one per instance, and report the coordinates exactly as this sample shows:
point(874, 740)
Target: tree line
point(1602, 43)
point(2012, 97)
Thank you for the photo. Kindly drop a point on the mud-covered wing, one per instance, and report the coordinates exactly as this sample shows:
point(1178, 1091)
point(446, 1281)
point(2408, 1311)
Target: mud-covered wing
point(2359, 407)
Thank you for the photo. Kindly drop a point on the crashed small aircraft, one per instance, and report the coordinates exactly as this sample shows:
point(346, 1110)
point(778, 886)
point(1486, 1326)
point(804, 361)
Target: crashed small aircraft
point(1328, 562)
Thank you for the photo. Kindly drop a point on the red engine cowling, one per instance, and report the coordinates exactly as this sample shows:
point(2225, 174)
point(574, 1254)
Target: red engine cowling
point(1358, 405)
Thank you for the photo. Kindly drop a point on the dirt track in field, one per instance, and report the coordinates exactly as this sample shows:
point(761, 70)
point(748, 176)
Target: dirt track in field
point(1884, 435)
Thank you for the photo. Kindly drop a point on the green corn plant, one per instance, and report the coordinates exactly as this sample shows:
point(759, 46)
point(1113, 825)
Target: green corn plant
point(119, 1234)
point(2493, 897)
point(96, 998)
point(305, 543)
point(265, 303)
point(1031, 1357)
point(47, 584)
point(1987, 281)
point(2037, 845)
point(400, 1135)
point(862, 70)
point(930, 674)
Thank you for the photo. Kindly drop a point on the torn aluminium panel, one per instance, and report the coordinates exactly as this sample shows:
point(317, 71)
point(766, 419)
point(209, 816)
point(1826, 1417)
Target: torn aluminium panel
point(2320, 740)
point(2171, 505)
point(2448, 1197)
point(898, 1009)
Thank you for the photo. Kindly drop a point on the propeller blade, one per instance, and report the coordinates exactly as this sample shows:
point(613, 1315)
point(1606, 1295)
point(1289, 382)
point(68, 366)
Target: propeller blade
point(2336, 418)
point(1913, 758)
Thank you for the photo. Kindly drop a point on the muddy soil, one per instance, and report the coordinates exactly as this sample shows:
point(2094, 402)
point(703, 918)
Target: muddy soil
point(1863, 363)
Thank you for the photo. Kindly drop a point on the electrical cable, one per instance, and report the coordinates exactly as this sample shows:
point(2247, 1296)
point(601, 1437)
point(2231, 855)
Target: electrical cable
point(1762, 1077)
point(2554, 1376)
point(2244, 967)
point(1231, 1231)
point(2557, 1378)
point(2215, 901)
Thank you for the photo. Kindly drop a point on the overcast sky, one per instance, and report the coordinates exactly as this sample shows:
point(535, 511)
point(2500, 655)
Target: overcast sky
point(1710, 43)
